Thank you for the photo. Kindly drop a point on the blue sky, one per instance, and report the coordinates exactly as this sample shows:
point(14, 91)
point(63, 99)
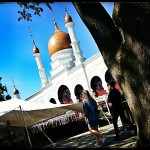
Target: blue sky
point(16, 47)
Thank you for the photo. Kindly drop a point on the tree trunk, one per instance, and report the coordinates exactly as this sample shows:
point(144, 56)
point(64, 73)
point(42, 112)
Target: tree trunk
point(125, 46)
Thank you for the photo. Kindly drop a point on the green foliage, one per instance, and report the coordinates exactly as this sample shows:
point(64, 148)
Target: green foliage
point(37, 10)
point(2, 89)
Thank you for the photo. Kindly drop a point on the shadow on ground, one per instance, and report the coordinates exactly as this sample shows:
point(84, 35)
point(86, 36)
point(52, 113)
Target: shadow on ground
point(87, 140)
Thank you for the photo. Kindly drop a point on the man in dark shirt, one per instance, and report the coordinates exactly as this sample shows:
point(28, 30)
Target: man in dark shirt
point(114, 97)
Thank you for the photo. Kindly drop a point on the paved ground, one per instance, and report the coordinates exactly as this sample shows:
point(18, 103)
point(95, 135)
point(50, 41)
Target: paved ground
point(87, 140)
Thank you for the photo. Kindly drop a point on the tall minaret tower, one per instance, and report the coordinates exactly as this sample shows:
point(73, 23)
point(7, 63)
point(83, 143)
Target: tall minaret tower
point(74, 42)
point(41, 69)
point(16, 92)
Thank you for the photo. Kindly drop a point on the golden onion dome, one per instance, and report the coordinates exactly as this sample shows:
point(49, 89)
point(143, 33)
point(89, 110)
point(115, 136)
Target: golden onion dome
point(16, 91)
point(35, 50)
point(59, 41)
point(68, 18)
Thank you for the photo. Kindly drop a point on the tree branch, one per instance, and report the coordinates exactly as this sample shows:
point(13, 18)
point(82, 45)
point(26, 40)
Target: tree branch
point(100, 25)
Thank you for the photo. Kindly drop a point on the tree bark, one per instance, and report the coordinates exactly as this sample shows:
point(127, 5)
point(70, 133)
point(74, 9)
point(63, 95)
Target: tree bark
point(124, 42)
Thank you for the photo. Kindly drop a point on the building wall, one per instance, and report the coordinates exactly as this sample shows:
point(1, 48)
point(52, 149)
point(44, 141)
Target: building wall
point(96, 66)
point(81, 74)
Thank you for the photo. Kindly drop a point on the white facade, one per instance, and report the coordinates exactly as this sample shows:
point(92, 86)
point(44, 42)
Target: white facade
point(81, 74)
point(41, 69)
point(17, 96)
point(75, 43)
point(70, 69)
point(62, 60)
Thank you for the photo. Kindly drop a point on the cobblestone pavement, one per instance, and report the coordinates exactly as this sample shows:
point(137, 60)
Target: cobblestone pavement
point(87, 140)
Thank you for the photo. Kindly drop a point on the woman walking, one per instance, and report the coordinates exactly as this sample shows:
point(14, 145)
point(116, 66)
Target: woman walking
point(91, 116)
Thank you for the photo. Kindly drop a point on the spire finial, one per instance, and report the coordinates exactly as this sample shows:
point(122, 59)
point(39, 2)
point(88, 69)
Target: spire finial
point(32, 36)
point(65, 7)
point(48, 5)
point(55, 24)
point(68, 17)
point(13, 82)
point(53, 15)
point(56, 27)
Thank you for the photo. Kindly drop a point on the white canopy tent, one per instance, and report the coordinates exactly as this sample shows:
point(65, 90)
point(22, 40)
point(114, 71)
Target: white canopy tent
point(32, 112)
point(21, 113)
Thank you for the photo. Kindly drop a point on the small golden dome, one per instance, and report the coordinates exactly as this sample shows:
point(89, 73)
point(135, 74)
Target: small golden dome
point(8, 97)
point(35, 50)
point(16, 91)
point(59, 41)
point(68, 18)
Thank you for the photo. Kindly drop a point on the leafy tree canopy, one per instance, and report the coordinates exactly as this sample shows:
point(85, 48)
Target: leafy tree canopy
point(35, 6)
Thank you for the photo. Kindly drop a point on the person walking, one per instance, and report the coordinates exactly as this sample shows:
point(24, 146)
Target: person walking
point(114, 100)
point(91, 116)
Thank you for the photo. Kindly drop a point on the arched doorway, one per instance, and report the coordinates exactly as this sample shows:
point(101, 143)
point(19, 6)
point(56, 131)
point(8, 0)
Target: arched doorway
point(108, 77)
point(64, 95)
point(78, 91)
point(96, 85)
point(52, 100)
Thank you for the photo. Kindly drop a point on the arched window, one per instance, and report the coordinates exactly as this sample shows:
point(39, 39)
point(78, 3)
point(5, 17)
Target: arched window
point(97, 87)
point(64, 95)
point(78, 91)
point(108, 76)
point(52, 100)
